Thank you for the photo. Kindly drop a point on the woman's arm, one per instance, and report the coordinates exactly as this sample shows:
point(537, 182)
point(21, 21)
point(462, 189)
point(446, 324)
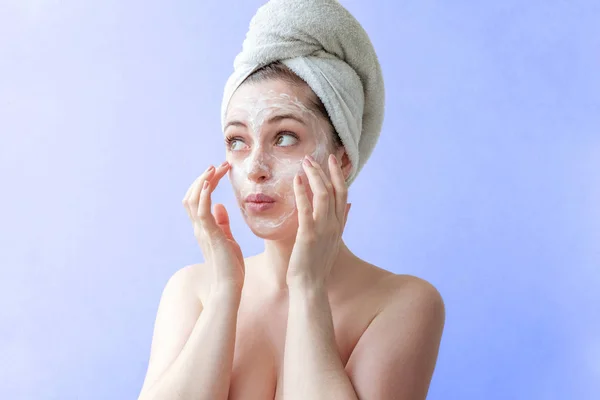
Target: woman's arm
point(394, 358)
point(192, 365)
point(313, 368)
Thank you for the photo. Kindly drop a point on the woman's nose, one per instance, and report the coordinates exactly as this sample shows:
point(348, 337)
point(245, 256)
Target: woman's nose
point(260, 170)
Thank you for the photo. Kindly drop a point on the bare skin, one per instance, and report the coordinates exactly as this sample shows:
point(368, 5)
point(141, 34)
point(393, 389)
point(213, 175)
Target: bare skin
point(235, 328)
point(357, 296)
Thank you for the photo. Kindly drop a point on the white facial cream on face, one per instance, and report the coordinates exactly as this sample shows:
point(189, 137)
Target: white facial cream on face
point(261, 166)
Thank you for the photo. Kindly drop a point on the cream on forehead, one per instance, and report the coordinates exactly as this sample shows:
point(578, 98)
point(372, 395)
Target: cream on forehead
point(256, 109)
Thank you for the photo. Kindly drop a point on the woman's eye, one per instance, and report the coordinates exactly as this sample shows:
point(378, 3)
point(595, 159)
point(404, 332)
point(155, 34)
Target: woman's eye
point(285, 140)
point(235, 144)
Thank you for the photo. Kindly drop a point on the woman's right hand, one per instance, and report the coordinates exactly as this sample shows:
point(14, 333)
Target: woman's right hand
point(213, 232)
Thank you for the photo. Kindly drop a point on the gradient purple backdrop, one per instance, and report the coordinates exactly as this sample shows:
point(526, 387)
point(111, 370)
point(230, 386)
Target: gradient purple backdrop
point(486, 182)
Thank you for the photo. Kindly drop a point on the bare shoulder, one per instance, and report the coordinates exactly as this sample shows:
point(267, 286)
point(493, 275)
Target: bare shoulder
point(410, 285)
point(194, 278)
point(398, 287)
point(403, 294)
point(191, 280)
point(396, 355)
point(415, 297)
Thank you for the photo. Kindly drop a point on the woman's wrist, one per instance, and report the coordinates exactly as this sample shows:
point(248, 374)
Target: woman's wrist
point(305, 288)
point(226, 292)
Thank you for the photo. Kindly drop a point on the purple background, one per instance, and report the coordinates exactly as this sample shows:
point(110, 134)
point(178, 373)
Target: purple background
point(486, 182)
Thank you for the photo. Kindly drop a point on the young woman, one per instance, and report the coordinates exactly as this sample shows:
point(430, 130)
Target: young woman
point(305, 319)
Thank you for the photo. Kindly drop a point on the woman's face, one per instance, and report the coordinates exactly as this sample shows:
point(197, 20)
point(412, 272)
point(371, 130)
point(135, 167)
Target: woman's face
point(268, 131)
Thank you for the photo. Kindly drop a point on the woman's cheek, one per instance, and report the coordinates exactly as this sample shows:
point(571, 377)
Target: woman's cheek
point(287, 171)
point(236, 177)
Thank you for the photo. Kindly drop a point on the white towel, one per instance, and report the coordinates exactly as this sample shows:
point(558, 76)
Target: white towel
point(326, 46)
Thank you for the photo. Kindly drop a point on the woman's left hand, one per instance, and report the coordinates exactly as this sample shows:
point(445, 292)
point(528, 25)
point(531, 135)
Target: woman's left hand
point(320, 224)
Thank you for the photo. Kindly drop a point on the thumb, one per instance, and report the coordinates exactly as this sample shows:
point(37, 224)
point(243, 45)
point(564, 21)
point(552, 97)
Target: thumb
point(222, 219)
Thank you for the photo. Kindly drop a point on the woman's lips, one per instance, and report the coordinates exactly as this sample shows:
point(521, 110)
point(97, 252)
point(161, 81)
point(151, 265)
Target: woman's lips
point(259, 198)
point(258, 202)
point(258, 207)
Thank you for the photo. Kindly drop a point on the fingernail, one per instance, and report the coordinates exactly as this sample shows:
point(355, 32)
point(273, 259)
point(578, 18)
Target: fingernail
point(224, 164)
point(307, 162)
point(210, 168)
point(205, 185)
point(334, 160)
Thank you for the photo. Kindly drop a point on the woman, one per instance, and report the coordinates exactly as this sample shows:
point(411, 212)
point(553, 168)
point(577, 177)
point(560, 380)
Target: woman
point(306, 319)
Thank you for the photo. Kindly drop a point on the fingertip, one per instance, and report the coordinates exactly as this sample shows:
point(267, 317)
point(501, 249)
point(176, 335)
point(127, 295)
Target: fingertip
point(333, 159)
point(300, 183)
point(220, 213)
point(222, 207)
point(225, 166)
point(332, 164)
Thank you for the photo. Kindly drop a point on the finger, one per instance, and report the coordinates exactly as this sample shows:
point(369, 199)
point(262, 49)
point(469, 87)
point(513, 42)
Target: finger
point(195, 183)
point(213, 180)
point(340, 187)
point(185, 202)
point(192, 186)
point(192, 200)
point(222, 220)
point(220, 172)
point(328, 186)
point(204, 215)
point(305, 210)
point(320, 196)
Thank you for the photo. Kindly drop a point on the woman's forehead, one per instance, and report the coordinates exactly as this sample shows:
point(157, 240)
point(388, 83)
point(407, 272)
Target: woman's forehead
point(268, 95)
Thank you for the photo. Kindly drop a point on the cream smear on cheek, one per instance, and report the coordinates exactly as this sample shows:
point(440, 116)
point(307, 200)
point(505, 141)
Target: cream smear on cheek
point(263, 158)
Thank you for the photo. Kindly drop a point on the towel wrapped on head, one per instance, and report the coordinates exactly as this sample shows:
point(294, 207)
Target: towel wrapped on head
point(322, 43)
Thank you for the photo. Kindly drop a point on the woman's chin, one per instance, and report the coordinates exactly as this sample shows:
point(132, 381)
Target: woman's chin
point(268, 234)
point(274, 227)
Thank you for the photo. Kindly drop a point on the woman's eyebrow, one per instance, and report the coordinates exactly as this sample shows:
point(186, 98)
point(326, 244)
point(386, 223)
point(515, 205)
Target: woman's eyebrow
point(279, 117)
point(273, 119)
point(234, 123)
